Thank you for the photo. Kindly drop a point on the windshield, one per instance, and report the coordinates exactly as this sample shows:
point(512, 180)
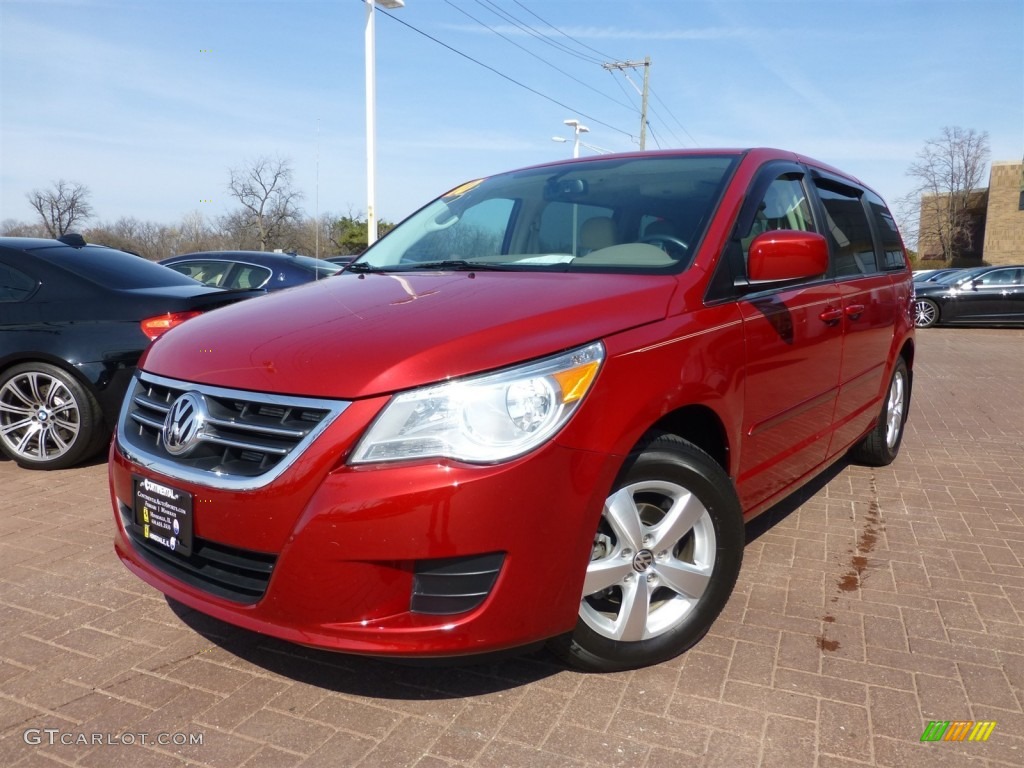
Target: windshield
point(623, 214)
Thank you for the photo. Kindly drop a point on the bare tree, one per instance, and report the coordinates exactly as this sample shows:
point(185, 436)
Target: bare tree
point(62, 206)
point(949, 171)
point(270, 205)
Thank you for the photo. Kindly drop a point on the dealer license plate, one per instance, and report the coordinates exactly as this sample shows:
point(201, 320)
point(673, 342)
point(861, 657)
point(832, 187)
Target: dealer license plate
point(164, 515)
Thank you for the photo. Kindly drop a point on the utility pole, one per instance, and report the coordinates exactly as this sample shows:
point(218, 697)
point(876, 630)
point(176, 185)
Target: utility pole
point(646, 64)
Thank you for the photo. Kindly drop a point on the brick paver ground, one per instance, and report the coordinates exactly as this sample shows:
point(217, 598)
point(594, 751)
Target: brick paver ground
point(876, 601)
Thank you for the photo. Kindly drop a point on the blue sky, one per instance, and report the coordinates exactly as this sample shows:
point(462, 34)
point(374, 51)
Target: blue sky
point(149, 103)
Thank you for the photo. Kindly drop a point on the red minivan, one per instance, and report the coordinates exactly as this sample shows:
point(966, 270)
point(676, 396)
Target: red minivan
point(541, 408)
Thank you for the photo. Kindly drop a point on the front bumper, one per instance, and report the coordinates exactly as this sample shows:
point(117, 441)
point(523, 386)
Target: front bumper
point(347, 554)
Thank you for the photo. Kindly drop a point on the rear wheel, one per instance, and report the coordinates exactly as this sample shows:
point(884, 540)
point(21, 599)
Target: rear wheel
point(881, 445)
point(926, 313)
point(48, 420)
point(664, 561)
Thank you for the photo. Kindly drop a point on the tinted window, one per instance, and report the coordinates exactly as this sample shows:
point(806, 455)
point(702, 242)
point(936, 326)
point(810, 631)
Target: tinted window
point(892, 244)
point(784, 206)
point(1000, 277)
point(248, 276)
point(206, 272)
point(14, 285)
point(113, 268)
point(846, 226)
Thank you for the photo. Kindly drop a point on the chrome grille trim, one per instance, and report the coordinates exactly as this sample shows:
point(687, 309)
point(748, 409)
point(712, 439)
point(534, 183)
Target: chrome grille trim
point(252, 437)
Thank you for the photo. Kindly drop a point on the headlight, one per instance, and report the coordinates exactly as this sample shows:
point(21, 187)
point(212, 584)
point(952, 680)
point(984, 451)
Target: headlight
point(483, 419)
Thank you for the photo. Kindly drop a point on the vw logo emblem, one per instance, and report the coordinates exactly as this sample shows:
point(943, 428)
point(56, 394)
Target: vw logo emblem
point(643, 560)
point(183, 426)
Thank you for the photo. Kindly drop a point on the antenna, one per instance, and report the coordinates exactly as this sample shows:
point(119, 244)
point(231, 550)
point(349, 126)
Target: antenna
point(316, 196)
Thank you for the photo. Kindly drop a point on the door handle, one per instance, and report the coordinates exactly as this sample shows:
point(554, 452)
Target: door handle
point(831, 315)
point(854, 311)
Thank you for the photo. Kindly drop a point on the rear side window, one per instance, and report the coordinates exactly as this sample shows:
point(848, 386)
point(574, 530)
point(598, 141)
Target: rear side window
point(112, 268)
point(888, 233)
point(846, 226)
point(1000, 277)
point(248, 276)
point(14, 285)
point(206, 272)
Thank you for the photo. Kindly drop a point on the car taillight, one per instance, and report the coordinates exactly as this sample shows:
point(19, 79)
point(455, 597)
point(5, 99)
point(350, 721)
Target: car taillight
point(154, 326)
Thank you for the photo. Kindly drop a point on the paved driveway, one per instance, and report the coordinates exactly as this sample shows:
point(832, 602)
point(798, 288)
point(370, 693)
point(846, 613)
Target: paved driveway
point(877, 601)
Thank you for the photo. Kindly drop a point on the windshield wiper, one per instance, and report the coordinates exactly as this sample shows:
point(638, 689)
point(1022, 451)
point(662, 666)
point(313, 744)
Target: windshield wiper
point(362, 266)
point(456, 264)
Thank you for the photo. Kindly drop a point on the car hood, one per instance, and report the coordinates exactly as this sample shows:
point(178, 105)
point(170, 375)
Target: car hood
point(361, 335)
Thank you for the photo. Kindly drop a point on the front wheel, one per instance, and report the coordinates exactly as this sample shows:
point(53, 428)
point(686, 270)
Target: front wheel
point(665, 558)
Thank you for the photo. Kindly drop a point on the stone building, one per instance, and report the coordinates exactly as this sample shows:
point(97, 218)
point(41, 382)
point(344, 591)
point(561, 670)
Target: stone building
point(996, 221)
point(1004, 218)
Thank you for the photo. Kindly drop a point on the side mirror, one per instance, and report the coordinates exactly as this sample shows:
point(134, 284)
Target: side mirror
point(785, 254)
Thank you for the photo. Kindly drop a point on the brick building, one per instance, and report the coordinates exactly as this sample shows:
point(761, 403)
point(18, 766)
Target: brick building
point(996, 221)
point(1004, 219)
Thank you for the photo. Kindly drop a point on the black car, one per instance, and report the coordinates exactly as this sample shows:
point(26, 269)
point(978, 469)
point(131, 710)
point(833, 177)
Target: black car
point(251, 269)
point(981, 295)
point(74, 320)
point(931, 275)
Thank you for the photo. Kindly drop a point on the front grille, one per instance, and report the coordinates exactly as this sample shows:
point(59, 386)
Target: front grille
point(248, 438)
point(454, 584)
point(239, 575)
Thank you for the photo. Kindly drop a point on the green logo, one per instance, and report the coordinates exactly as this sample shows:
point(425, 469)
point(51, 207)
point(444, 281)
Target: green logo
point(958, 730)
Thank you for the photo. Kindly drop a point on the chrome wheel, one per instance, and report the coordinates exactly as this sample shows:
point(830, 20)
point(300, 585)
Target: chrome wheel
point(652, 561)
point(40, 418)
point(926, 313)
point(894, 409)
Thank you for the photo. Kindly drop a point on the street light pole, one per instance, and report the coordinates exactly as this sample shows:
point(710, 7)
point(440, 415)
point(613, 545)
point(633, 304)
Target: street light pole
point(577, 130)
point(371, 115)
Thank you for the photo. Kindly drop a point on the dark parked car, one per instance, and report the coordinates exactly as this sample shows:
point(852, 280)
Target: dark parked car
point(931, 275)
point(541, 408)
point(74, 319)
point(981, 295)
point(251, 269)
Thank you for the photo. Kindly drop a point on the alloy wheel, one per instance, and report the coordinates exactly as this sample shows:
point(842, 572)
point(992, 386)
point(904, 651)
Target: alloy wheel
point(925, 313)
point(652, 561)
point(39, 416)
point(894, 409)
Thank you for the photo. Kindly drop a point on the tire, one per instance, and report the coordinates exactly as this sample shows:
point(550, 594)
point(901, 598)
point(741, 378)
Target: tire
point(653, 586)
point(48, 420)
point(926, 313)
point(881, 445)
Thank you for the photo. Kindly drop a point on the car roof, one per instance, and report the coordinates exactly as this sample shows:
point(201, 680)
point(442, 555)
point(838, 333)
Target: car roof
point(762, 154)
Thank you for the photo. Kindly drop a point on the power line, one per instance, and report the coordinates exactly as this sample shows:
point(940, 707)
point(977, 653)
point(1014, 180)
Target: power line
point(604, 56)
point(539, 58)
point(683, 127)
point(534, 32)
point(502, 75)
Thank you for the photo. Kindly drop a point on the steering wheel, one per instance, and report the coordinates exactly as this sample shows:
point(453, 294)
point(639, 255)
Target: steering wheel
point(673, 246)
